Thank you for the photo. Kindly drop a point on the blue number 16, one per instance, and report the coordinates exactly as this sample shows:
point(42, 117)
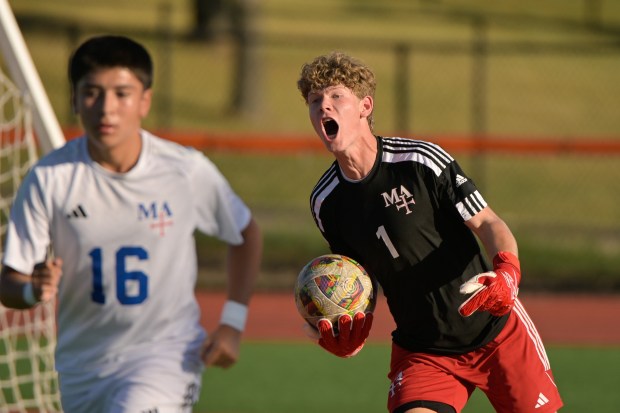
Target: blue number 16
point(122, 276)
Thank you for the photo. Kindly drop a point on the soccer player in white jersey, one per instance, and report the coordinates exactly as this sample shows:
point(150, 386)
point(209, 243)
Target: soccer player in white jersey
point(406, 211)
point(119, 207)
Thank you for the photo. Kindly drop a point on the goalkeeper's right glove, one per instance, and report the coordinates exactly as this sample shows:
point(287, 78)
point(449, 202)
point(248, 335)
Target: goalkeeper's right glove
point(494, 291)
point(351, 336)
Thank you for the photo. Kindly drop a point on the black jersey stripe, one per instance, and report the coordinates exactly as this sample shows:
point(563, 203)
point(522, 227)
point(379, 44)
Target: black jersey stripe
point(406, 142)
point(328, 175)
point(403, 144)
point(414, 156)
point(426, 153)
point(324, 187)
point(324, 181)
point(471, 205)
point(478, 200)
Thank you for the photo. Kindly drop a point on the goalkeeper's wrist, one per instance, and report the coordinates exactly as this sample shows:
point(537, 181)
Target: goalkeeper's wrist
point(508, 260)
point(28, 294)
point(234, 314)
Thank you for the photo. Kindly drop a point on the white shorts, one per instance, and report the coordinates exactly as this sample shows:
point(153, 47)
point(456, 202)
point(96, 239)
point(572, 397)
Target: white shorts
point(149, 384)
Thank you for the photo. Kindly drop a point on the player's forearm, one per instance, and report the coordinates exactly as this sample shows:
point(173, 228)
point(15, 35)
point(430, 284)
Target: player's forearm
point(244, 264)
point(497, 237)
point(493, 232)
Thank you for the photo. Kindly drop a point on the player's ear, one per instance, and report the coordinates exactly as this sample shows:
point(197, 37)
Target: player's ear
point(366, 106)
point(145, 102)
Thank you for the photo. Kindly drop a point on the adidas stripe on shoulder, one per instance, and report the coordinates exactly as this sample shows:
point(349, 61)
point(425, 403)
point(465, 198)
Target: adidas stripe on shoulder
point(471, 205)
point(423, 152)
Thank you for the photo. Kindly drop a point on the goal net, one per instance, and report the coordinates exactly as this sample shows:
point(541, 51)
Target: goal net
point(27, 338)
point(28, 379)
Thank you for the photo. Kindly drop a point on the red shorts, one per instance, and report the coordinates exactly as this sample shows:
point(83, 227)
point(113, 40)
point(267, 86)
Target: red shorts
point(512, 370)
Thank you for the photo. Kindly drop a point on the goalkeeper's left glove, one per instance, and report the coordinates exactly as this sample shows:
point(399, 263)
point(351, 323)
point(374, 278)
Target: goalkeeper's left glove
point(351, 336)
point(494, 291)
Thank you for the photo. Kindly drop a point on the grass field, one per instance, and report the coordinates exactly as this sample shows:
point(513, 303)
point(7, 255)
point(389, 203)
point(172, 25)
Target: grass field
point(282, 378)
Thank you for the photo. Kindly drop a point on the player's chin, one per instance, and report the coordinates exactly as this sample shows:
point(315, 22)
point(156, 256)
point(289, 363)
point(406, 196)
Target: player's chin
point(329, 144)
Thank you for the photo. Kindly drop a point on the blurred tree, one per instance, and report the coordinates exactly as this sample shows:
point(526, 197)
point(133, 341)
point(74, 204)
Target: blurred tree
point(245, 91)
point(235, 18)
point(205, 13)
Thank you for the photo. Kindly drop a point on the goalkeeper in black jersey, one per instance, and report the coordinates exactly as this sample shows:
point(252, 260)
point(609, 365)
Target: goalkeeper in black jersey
point(408, 213)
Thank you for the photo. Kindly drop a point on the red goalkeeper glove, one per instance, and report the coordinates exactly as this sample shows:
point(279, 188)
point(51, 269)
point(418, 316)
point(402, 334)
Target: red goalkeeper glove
point(494, 291)
point(351, 336)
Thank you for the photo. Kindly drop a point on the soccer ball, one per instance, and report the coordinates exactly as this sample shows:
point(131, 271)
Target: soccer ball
point(332, 285)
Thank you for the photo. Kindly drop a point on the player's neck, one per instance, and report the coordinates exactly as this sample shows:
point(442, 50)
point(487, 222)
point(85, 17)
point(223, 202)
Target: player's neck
point(357, 162)
point(120, 158)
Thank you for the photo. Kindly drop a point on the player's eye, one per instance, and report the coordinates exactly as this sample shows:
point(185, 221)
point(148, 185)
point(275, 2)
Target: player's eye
point(90, 93)
point(123, 92)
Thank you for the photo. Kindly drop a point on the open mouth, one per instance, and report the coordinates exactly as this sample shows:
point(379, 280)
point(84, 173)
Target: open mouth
point(331, 127)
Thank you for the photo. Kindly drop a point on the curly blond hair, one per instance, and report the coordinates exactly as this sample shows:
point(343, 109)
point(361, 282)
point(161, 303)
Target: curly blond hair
point(337, 68)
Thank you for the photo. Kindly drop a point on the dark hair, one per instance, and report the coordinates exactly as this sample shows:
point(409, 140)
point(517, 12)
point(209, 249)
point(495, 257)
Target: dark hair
point(111, 51)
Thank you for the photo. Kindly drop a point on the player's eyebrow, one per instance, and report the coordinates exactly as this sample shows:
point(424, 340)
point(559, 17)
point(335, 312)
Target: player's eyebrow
point(121, 87)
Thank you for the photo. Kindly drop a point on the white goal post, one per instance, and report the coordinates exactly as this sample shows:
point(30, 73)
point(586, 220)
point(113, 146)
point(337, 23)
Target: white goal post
point(28, 380)
point(24, 74)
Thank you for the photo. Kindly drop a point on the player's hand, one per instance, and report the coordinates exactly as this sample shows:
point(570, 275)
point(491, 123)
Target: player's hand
point(45, 279)
point(221, 349)
point(494, 291)
point(352, 334)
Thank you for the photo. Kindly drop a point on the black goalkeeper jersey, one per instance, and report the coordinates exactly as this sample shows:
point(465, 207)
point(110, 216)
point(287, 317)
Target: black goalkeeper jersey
point(404, 223)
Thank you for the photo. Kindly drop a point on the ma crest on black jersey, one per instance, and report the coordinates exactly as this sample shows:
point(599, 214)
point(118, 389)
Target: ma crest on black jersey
point(401, 198)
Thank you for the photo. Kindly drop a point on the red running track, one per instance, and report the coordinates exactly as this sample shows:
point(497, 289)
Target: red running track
point(560, 319)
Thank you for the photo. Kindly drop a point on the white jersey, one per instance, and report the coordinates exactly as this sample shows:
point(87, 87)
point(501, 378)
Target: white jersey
point(127, 243)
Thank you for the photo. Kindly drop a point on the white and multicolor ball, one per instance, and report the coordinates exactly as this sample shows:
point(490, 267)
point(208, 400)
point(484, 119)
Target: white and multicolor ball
point(332, 285)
